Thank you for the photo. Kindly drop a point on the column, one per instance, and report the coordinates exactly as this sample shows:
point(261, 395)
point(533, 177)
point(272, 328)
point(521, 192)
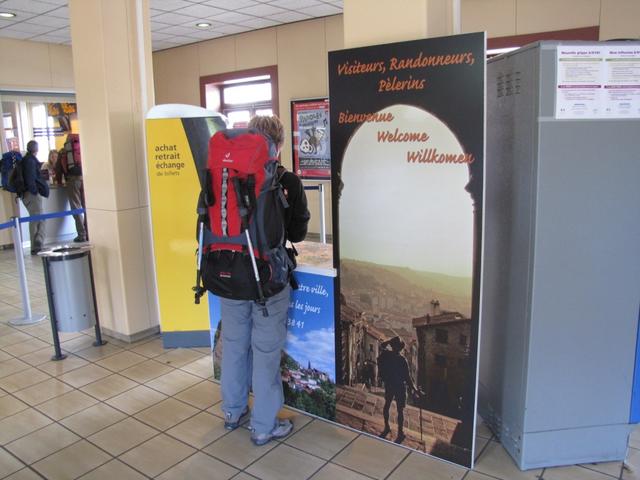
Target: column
point(114, 89)
point(386, 21)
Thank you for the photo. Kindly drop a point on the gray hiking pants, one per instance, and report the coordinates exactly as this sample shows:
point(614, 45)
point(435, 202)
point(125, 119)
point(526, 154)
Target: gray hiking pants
point(33, 204)
point(74, 190)
point(251, 351)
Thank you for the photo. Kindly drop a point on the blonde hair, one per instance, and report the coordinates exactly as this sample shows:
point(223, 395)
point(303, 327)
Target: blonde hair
point(51, 152)
point(270, 126)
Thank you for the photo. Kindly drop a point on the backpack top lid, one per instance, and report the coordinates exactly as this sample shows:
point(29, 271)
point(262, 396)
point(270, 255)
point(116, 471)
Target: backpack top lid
point(241, 149)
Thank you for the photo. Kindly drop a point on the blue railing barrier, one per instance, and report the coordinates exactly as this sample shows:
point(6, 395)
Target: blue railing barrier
point(44, 216)
point(312, 187)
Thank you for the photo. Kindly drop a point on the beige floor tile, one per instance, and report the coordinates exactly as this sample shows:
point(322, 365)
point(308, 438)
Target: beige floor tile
point(202, 395)
point(13, 338)
point(113, 470)
point(10, 405)
point(11, 366)
point(157, 455)
point(39, 357)
point(632, 465)
point(24, 348)
point(84, 375)
point(371, 457)
point(321, 439)
point(481, 443)
point(150, 349)
point(166, 414)
point(634, 438)
point(173, 382)
point(203, 367)
point(334, 472)
point(22, 379)
point(78, 343)
point(482, 430)
point(57, 368)
point(21, 424)
point(97, 353)
point(44, 391)
point(122, 436)
point(93, 419)
point(417, 464)
point(9, 464)
point(236, 449)
point(285, 463)
point(146, 371)
point(66, 405)
point(200, 430)
point(71, 462)
point(24, 474)
point(65, 336)
point(121, 361)
point(42, 443)
point(610, 468)
point(137, 399)
point(199, 465)
point(497, 462)
point(244, 476)
point(480, 476)
point(573, 473)
point(109, 387)
point(178, 357)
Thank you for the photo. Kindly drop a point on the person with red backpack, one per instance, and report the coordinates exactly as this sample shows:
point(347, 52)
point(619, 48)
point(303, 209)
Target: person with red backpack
point(250, 227)
point(69, 165)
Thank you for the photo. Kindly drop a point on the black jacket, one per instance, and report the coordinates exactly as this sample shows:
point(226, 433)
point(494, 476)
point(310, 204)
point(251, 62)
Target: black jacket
point(33, 180)
point(297, 215)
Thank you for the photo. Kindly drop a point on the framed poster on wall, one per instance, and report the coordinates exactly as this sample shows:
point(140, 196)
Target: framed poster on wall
point(310, 143)
point(407, 144)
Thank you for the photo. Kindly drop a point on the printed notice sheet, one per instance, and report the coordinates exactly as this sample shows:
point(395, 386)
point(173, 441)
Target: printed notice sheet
point(598, 82)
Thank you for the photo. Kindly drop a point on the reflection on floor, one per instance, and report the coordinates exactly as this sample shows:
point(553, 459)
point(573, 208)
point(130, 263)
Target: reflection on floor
point(135, 411)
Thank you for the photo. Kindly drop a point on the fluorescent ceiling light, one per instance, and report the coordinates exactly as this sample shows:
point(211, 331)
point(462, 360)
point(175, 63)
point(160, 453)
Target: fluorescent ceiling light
point(7, 14)
point(203, 25)
point(498, 51)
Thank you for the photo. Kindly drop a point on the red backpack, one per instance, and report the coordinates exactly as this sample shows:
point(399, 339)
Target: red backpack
point(71, 157)
point(242, 231)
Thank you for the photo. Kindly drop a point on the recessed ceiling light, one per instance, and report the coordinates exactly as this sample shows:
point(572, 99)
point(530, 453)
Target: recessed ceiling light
point(203, 25)
point(7, 14)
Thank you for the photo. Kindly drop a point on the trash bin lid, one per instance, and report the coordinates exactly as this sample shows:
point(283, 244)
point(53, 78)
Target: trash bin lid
point(65, 252)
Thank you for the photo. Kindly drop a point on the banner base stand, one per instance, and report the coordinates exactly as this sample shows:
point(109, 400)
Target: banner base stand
point(22, 321)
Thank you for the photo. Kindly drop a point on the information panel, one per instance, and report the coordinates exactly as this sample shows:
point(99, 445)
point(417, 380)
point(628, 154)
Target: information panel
point(407, 143)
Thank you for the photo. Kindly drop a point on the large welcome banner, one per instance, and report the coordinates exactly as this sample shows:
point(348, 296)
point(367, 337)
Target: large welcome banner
point(407, 143)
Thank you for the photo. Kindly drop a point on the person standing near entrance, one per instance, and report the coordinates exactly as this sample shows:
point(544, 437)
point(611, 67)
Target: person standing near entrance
point(36, 188)
point(70, 165)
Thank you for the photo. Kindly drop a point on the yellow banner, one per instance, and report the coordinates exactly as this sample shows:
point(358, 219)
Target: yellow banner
point(174, 187)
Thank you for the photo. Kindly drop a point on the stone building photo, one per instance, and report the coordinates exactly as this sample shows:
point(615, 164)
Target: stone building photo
point(405, 341)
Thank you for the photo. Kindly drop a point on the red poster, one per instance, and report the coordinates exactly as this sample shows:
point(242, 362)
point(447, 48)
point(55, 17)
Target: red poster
point(311, 149)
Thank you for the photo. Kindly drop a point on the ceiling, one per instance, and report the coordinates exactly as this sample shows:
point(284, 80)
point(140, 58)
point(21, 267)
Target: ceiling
point(173, 22)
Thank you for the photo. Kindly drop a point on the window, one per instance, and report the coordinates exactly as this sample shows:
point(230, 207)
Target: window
point(441, 361)
point(442, 336)
point(241, 95)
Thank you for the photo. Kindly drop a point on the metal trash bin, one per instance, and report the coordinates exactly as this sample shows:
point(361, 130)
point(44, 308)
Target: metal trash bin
point(68, 274)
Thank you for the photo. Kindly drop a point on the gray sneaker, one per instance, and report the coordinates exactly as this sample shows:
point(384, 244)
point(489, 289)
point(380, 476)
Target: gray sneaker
point(231, 424)
point(281, 430)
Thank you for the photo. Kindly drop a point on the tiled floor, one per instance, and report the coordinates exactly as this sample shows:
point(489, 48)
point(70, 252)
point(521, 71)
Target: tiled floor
point(137, 411)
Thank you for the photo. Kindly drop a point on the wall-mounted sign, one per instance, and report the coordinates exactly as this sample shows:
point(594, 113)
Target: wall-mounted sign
point(310, 142)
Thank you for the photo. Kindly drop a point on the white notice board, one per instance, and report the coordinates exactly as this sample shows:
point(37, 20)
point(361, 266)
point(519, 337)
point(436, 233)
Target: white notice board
point(598, 81)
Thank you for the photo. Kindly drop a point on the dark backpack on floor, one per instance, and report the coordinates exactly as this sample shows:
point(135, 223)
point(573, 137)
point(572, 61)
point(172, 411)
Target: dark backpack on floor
point(242, 193)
